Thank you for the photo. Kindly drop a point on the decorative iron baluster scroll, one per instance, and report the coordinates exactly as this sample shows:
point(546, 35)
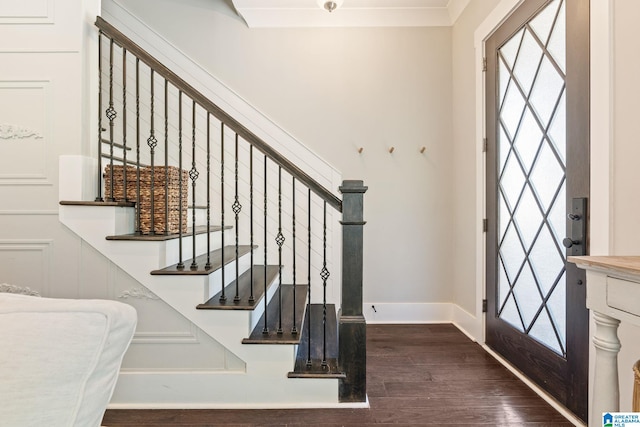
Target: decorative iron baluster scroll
point(208, 264)
point(237, 207)
point(193, 175)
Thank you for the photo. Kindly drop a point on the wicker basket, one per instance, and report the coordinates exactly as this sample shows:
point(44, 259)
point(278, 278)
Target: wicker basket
point(158, 218)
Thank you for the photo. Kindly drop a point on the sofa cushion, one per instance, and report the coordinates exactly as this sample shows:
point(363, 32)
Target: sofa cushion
point(60, 358)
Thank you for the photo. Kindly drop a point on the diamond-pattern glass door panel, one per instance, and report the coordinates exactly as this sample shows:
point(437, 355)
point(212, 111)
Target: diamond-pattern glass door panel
point(547, 177)
point(543, 22)
point(557, 43)
point(511, 314)
point(558, 130)
point(527, 295)
point(528, 140)
point(547, 89)
point(512, 254)
point(527, 218)
point(547, 267)
point(512, 109)
point(512, 181)
point(509, 50)
point(527, 62)
point(556, 304)
point(531, 180)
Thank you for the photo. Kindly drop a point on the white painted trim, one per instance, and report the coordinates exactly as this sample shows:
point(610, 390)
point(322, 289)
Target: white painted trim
point(355, 13)
point(455, 9)
point(468, 323)
point(408, 313)
point(540, 392)
point(602, 129)
point(22, 212)
point(311, 405)
point(602, 140)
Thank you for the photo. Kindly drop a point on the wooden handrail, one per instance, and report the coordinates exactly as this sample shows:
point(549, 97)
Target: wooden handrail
point(125, 42)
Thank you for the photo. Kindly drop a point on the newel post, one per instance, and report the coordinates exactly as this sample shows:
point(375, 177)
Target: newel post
point(353, 328)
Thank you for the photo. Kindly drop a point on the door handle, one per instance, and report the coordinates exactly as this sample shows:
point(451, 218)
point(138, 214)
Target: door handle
point(576, 241)
point(568, 243)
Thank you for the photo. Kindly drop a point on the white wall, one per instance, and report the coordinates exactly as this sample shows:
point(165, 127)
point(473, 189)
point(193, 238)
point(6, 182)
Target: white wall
point(339, 89)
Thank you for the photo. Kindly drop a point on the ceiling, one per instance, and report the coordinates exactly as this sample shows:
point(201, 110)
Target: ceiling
point(350, 13)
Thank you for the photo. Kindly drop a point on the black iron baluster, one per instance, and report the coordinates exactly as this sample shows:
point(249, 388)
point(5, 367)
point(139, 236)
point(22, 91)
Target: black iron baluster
point(138, 212)
point(294, 329)
point(237, 207)
point(111, 115)
point(223, 297)
point(265, 330)
point(152, 142)
point(99, 196)
point(193, 174)
point(280, 241)
point(251, 297)
point(207, 266)
point(309, 275)
point(166, 155)
point(124, 123)
point(180, 265)
point(324, 274)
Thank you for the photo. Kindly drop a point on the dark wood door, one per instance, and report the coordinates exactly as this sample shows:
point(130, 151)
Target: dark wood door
point(537, 93)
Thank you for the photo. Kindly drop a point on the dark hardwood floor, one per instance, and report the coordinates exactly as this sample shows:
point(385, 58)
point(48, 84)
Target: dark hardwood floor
point(417, 375)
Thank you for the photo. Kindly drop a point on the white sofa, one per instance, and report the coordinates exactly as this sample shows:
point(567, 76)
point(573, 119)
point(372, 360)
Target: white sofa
point(59, 359)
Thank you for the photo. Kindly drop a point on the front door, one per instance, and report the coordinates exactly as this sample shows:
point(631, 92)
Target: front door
point(537, 99)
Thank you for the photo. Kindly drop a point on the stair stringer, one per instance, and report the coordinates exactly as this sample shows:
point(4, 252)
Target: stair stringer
point(264, 381)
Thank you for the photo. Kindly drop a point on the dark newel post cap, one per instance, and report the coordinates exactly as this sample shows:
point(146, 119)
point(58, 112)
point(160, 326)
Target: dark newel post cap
point(353, 186)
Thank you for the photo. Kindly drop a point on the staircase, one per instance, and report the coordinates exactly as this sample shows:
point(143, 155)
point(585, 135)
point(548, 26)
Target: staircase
point(236, 241)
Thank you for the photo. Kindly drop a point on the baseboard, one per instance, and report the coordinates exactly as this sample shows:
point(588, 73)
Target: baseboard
point(468, 324)
point(380, 312)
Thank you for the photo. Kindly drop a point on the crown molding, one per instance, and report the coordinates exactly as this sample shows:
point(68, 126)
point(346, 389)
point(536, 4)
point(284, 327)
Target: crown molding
point(351, 13)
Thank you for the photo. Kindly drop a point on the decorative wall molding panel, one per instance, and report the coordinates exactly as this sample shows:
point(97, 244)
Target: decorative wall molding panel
point(164, 338)
point(42, 25)
point(26, 264)
point(27, 12)
point(8, 131)
point(140, 293)
point(13, 289)
point(24, 148)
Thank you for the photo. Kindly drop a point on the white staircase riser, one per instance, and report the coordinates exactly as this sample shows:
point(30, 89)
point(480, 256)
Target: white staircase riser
point(182, 292)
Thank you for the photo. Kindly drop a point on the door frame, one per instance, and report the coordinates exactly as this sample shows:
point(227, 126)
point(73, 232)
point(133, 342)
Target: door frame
point(601, 127)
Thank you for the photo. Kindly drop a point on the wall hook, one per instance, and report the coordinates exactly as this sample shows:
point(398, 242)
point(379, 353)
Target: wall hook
point(422, 150)
point(360, 150)
point(391, 149)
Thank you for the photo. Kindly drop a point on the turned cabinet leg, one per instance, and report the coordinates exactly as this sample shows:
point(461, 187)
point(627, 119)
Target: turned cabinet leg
point(606, 392)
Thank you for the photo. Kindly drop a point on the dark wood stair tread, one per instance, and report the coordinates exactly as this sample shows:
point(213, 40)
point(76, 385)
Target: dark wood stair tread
point(95, 203)
point(317, 370)
point(200, 229)
point(244, 290)
point(201, 261)
point(273, 318)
